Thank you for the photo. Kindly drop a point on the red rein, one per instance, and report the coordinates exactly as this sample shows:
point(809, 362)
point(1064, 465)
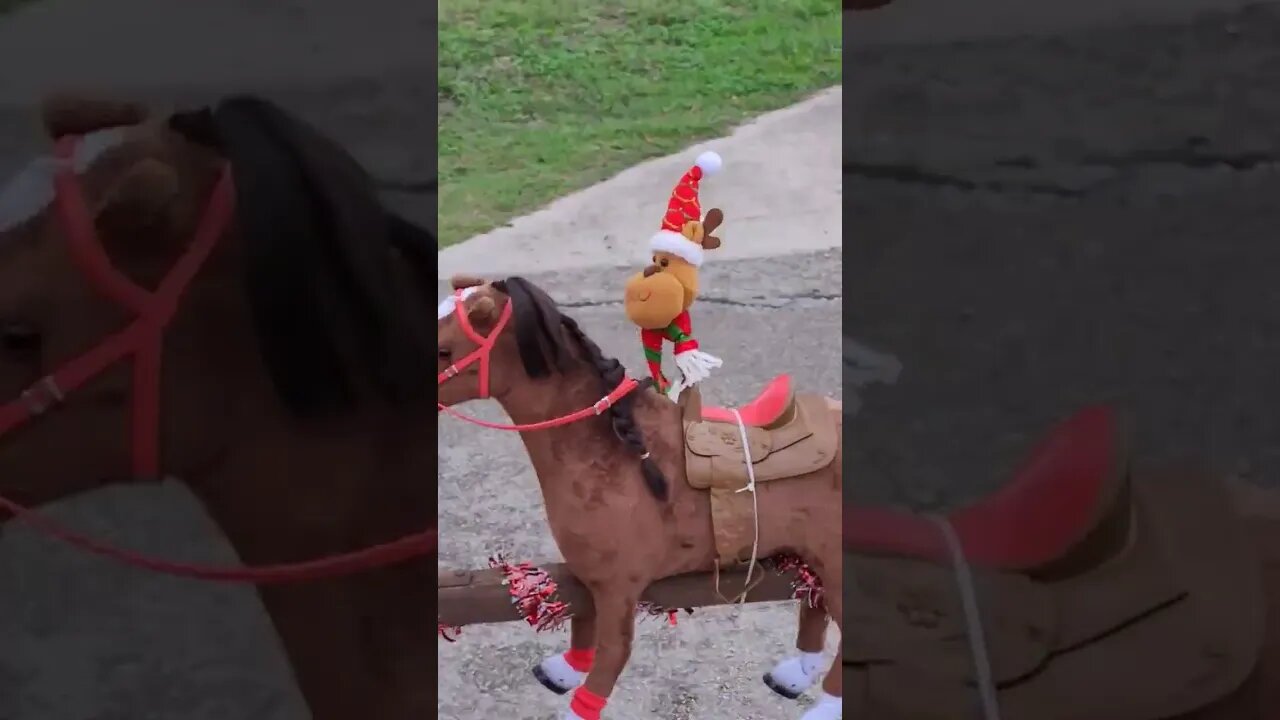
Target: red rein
point(142, 343)
point(484, 346)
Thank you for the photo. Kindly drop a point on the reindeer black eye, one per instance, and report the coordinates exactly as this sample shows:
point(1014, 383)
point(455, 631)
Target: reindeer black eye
point(17, 337)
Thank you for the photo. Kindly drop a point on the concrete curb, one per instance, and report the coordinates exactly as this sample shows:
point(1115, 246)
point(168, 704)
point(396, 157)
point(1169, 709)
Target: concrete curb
point(780, 189)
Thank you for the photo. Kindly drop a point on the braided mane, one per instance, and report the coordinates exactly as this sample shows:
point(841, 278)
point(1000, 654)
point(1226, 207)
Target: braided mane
point(541, 335)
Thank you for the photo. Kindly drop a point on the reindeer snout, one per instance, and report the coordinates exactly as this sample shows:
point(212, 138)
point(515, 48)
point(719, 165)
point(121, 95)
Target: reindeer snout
point(651, 270)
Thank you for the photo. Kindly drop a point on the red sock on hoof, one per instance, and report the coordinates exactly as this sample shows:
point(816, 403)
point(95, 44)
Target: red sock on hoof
point(581, 659)
point(586, 704)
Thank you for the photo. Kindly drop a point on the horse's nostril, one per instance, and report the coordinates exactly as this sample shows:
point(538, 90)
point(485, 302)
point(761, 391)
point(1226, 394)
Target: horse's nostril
point(19, 338)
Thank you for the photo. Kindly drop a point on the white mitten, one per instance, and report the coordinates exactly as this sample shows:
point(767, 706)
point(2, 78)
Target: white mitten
point(674, 390)
point(696, 366)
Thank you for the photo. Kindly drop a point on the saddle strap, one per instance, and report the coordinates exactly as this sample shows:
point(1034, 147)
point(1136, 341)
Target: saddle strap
point(973, 620)
point(755, 502)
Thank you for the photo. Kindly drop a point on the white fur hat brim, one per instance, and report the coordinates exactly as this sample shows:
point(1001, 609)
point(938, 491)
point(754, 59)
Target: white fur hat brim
point(678, 245)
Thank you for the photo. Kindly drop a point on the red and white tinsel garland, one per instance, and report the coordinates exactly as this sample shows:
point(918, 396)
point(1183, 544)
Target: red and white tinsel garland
point(806, 586)
point(448, 633)
point(533, 592)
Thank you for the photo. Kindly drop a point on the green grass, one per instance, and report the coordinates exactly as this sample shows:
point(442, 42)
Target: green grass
point(539, 98)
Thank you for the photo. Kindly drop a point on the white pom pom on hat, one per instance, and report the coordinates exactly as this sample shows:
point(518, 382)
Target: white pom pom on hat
point(710, 162)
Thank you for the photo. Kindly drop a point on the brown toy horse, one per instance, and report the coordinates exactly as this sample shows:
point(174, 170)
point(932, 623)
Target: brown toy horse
point(1254, 695)
point(1037, 601)
point(277, 370)
point(619, 498)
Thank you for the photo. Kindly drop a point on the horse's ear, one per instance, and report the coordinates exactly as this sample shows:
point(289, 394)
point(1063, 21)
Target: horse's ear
point(140, 207)
point(483, 310)
point(68, 114)
point(461, 282)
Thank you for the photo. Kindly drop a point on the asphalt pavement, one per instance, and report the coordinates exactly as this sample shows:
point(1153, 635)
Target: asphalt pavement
point(1047, 222)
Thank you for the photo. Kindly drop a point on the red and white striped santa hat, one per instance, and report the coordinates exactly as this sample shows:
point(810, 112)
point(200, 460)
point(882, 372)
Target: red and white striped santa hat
point(683, 207)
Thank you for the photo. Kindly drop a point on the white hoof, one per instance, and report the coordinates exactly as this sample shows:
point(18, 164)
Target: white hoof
point(557, 676)
point(571, 715)
point(792, 676)
point(829, 707)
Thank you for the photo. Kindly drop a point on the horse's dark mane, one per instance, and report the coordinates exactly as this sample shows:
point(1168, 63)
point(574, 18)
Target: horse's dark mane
point(333, 317)
point(538, 324)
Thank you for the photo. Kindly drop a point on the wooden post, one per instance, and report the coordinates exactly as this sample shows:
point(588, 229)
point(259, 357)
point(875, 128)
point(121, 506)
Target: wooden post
point(471, 597)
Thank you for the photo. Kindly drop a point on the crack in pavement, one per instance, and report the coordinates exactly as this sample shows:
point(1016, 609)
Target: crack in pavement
point(915, 175)
point(773, 303)
point(1191, 155)
point(1186, 157)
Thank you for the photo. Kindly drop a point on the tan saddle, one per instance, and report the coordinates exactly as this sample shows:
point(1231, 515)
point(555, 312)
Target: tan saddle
point(1099, 595)
point(788, 435)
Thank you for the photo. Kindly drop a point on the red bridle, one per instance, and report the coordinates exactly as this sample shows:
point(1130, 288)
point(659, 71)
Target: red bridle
point(142, 340)
point(484, 347)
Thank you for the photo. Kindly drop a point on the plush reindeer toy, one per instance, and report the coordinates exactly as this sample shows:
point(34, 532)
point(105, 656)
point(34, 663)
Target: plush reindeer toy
point(659, 297)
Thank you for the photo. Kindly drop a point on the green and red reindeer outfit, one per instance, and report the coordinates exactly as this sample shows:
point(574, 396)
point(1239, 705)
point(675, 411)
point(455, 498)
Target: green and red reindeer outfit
point(679, 333)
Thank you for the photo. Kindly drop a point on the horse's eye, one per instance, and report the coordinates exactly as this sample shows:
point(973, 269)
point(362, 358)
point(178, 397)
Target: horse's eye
point(17, 337)
point(445, 353)
point(664, 262)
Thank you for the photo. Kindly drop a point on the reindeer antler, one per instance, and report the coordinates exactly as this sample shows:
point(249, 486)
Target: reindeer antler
point(715, 216)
